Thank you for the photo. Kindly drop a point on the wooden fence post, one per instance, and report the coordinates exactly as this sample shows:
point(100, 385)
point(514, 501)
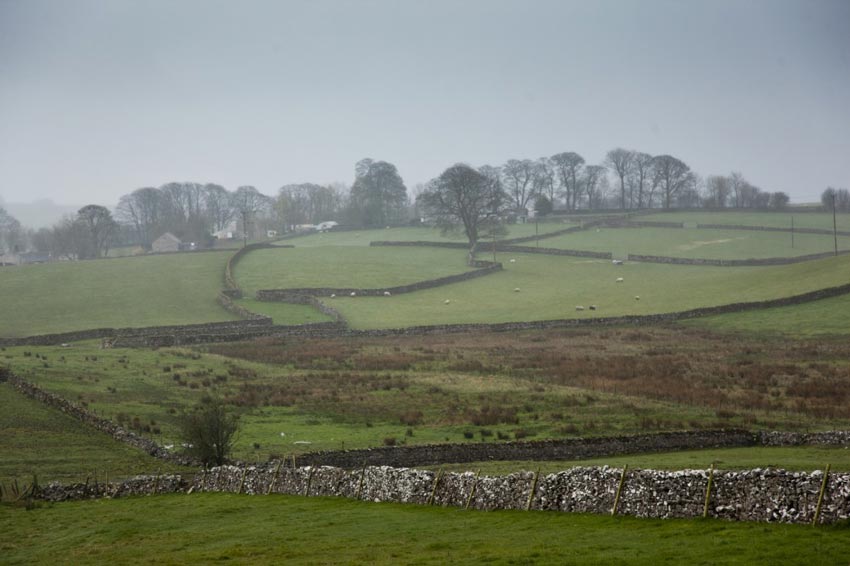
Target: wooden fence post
point(309, 481)
point(242, 480)
point(619, 490)
point(820, 496)
point(708, 491)
point(472, 491)
point(434, 489)
point(274, 477)
point(533, 489)
point(360, 483)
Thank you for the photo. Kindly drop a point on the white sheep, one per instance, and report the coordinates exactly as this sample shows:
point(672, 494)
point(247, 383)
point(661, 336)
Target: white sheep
point(513, 260)
point(333, 295)
point(386, 293)
point(353, 294)
point(619, 279)
point(447, 301)
point(593, 307)
point(637, 298)
point(516, 290)
point(617, 262)
point(579, 308)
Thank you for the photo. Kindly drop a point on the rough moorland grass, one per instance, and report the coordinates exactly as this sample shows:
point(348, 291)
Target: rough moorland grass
point(37, 440)
point(796, 458)
point(551, 288)
point(828, 317)
point(338, 266)
point(693, 243)
point(207, 528)
point(123, 292)
point(822, 220)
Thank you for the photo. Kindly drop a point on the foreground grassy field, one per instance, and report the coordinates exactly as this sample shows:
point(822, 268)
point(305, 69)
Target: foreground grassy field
point(55, 446)
point(551, 287)
point(137, 291)
point(206, 528)
point(693, 243)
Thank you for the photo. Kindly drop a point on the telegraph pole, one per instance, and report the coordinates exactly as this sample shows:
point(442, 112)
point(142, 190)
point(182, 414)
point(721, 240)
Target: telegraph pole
point(834, 230)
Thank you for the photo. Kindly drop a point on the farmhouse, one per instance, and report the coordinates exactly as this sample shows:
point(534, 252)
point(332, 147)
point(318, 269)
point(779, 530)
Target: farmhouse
point(168, 242)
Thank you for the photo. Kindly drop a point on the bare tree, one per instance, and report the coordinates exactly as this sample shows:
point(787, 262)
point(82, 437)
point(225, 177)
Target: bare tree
point(640, 180)
point(738, 184)
point(462, 196)
point(518, 180)
point(717, 191)
point(11, 234)
point(248, 202)
point(217, 206)
point(99, 228)
point(594, 182)
point(567, 167)
point(545, 181)
point(619, 160)
point(143, 209)
point(671, 176)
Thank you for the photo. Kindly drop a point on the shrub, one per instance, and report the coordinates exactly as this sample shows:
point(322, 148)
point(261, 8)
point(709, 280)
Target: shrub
point(389, 441)
point(209, 431)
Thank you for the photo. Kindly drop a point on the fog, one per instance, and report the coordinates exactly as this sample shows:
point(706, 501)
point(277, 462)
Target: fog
point(100, 98)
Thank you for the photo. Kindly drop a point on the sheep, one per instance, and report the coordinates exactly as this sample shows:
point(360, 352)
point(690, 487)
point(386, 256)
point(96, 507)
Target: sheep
point(619, 280)
point(353, 294)
point(333, 295)
point(617, 262)
point(447, 301)
point(513, 260)
point(637, 298)
point(593, 307)
point(386, 293)
point(579, 308)
point(516, 290)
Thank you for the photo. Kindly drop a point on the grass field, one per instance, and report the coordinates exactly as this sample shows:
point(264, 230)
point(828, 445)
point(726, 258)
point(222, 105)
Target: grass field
point(55, 446)
point(207, 528)
point(123, 292)
point(340, 266)
point(822, 220)
point(827, 317)
point(694, 243)
point(551, 288)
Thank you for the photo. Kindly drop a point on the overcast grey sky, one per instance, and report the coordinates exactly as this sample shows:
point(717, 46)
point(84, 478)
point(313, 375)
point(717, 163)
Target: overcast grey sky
point(98, 98)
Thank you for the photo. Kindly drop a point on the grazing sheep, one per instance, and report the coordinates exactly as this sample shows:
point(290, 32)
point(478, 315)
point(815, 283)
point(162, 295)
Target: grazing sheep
point(637, 298)
point(513, 260)
point(333, 295)
point(516, 290)
point(619, 279)
point(579, 308)
point(386, 293)
point(593, 307)
point(353, 294)
point(617, 262)
point(446, 302)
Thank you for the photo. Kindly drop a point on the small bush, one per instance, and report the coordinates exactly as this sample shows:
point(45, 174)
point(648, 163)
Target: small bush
point(390, 441)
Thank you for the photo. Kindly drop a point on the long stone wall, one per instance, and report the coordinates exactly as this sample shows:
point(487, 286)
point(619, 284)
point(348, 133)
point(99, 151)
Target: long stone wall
point(771, 229)
point(733, 262)
point(291, 295)
point(551, 251)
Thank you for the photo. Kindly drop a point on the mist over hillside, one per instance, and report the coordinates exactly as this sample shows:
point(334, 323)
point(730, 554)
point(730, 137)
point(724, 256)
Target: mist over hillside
point(41, 213)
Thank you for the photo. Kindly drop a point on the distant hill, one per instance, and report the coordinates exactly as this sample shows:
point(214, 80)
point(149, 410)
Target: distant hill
point(39, 214)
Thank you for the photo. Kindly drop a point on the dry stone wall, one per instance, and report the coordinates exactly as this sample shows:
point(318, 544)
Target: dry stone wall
point(732, 262)
point(771, 229)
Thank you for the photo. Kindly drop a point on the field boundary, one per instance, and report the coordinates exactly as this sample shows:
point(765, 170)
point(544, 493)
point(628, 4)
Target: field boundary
point(753, 262)
point(822, 231)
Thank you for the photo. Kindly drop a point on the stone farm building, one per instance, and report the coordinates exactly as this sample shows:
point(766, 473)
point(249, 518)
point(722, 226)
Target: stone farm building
point(168, 242)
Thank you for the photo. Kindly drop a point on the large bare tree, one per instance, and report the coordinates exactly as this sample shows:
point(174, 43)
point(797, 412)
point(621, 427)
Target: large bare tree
point(671, 176)
point(619, 160)
point(462, 196)
point(640, 180)
point(568, 168)
point(594, 183)
point(248, 202)
point(518, 180)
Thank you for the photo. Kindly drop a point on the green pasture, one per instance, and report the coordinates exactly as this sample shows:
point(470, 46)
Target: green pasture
point(56, 447)
point(694, 243)
point(413, 234)
point(284, 313)
point(827, 317)
point(122, 292)
point(550, 287)
point(209, 528)
point(792, 458)
point(821, 220)
point(339, 266)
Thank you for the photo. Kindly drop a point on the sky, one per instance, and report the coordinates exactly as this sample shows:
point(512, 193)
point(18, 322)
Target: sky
point(101, 97)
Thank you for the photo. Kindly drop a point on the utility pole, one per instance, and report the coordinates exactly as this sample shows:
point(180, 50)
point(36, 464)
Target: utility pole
point(834, 230)
point(792, 232)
